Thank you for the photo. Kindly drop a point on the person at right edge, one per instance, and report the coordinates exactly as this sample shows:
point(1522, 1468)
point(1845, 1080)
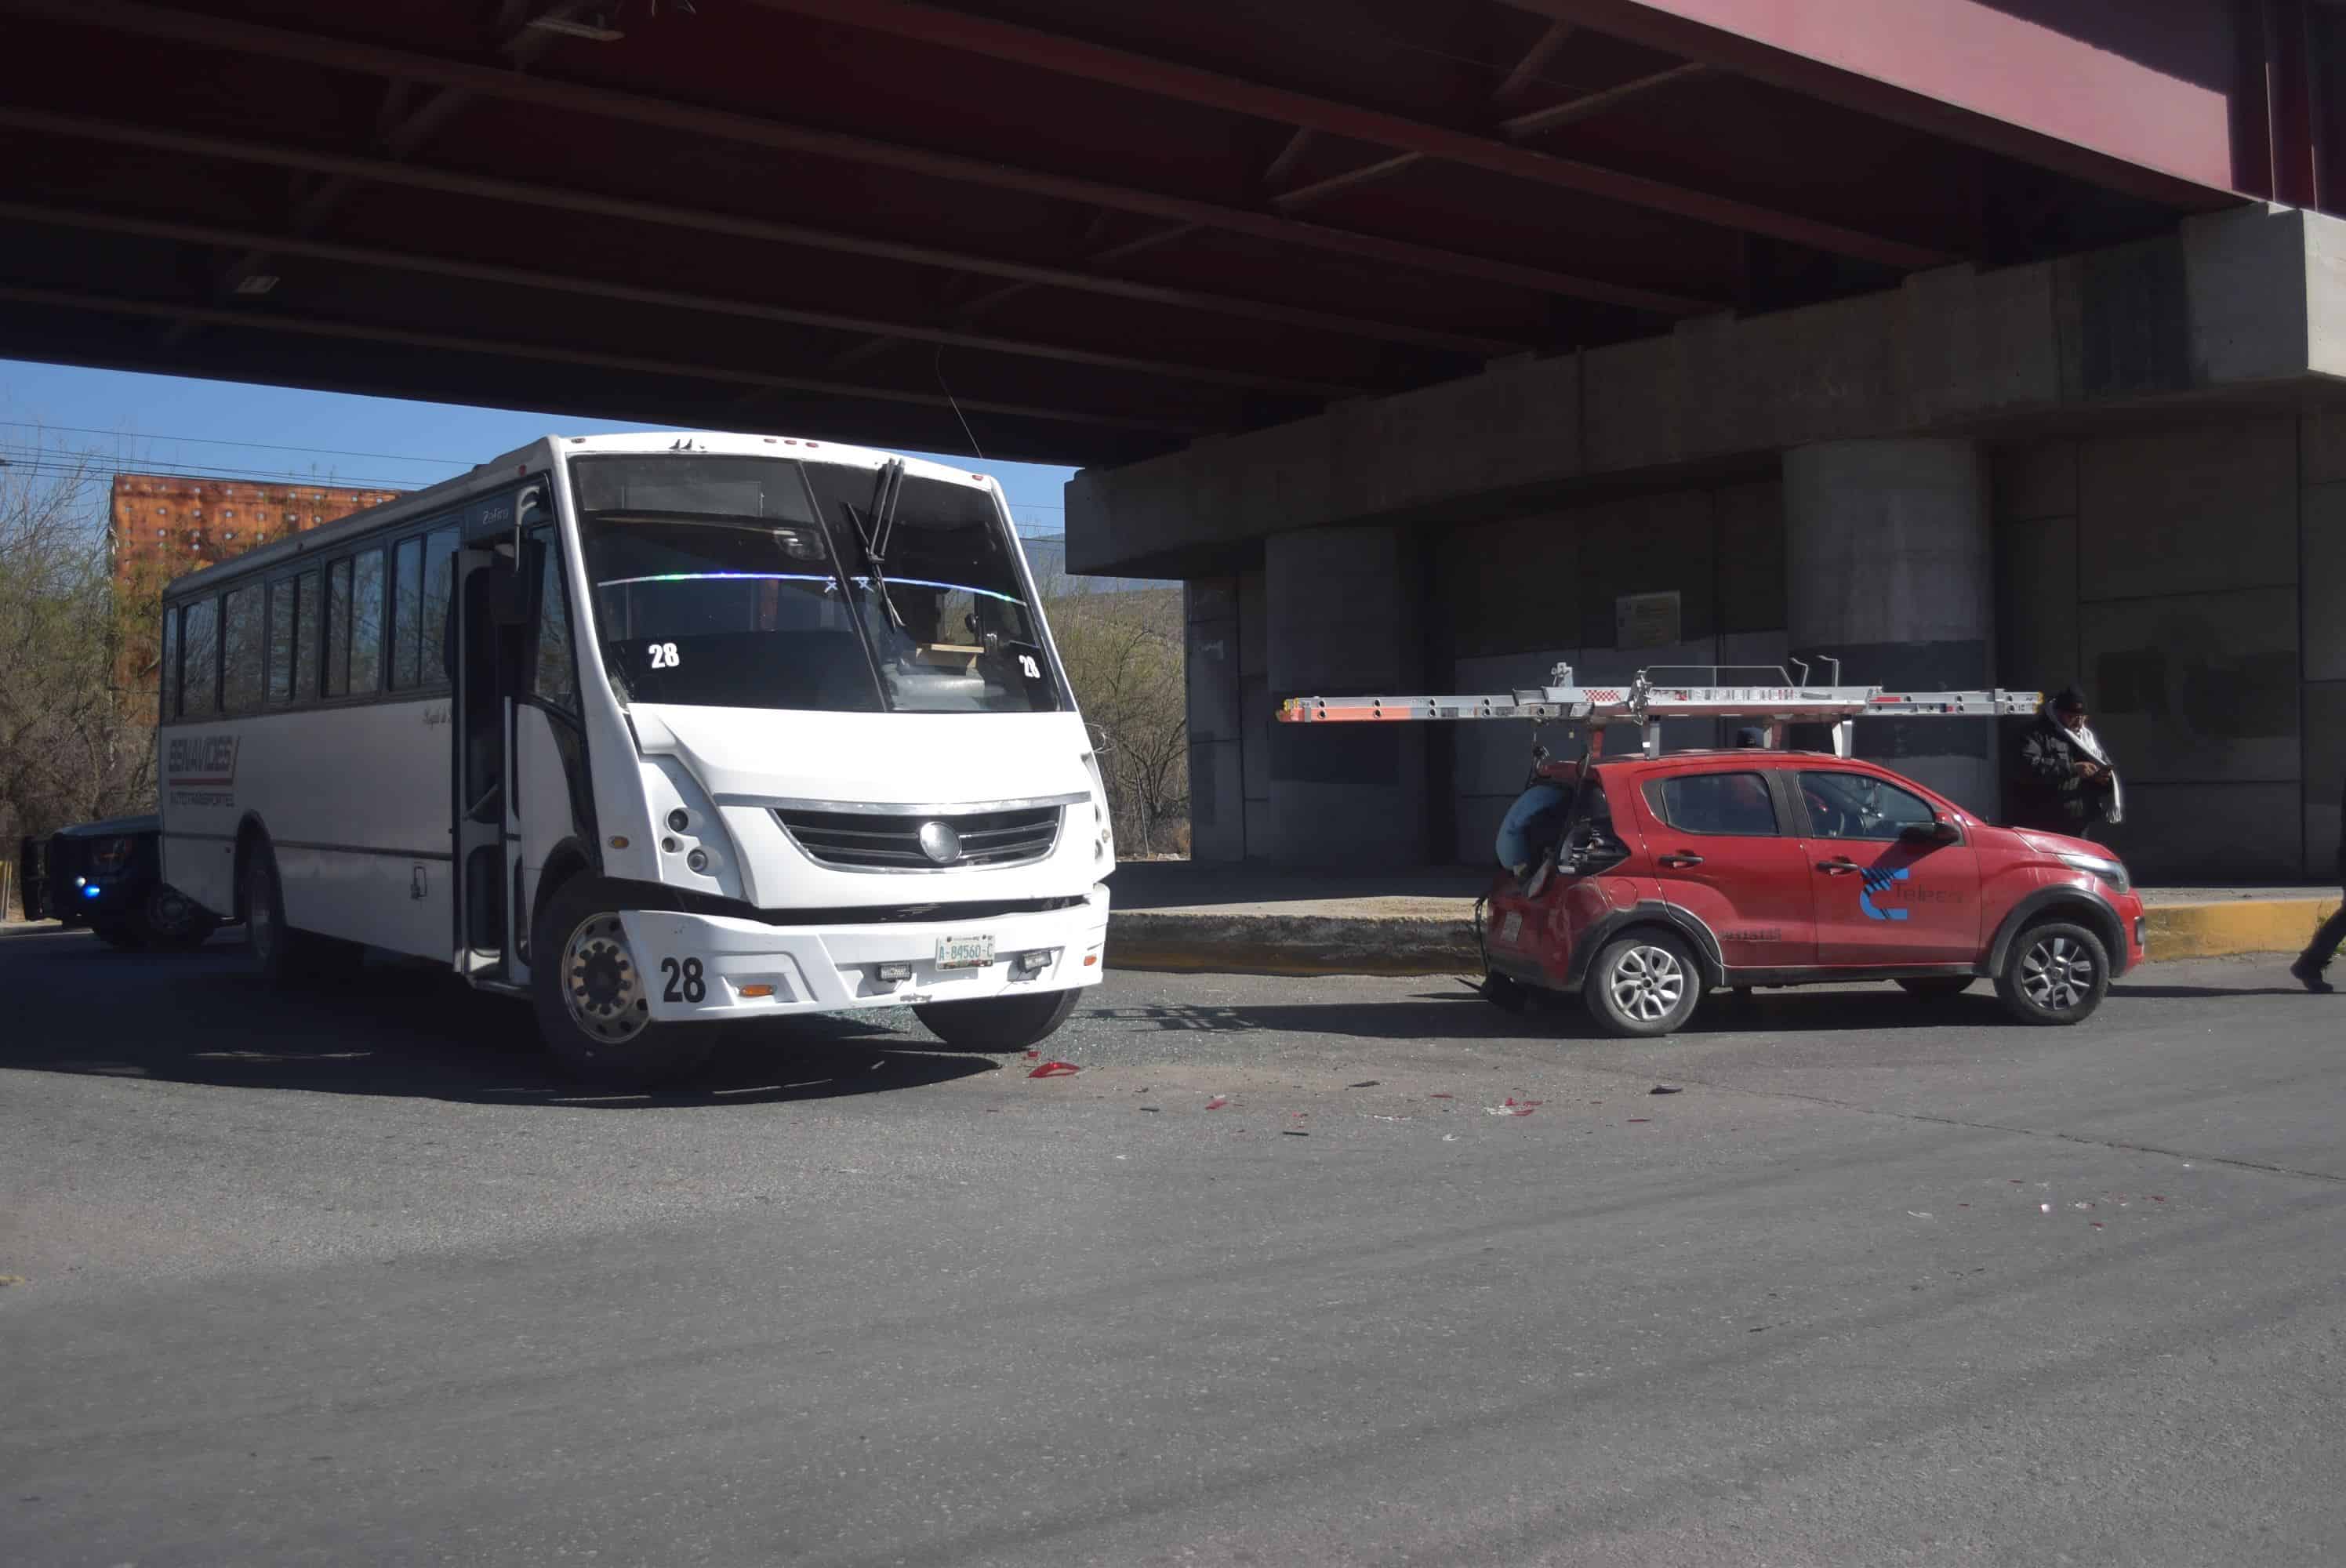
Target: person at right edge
point(2068, 783)
point(2324, 945)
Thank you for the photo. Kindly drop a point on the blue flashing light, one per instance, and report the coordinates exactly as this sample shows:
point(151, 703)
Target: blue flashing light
point(89, 890)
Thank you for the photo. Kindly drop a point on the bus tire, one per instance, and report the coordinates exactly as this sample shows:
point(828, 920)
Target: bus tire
point(995, 1024)
point(281, 955)
point(589, 991)
point(170, 921)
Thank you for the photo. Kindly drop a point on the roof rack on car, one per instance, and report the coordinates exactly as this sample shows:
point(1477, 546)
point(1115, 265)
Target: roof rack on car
point(1766, 695)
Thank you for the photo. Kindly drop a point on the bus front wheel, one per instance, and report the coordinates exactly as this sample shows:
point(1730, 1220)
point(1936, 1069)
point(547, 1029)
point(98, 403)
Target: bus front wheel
point(594, 1007)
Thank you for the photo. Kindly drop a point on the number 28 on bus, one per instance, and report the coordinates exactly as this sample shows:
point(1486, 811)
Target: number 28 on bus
point(657, 732)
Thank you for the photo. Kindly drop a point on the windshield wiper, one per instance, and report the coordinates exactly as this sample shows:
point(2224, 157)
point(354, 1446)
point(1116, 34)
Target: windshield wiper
point(874, 539)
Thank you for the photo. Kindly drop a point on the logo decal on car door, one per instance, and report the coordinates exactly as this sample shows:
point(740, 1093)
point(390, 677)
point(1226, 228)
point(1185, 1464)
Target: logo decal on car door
point(1877, 881)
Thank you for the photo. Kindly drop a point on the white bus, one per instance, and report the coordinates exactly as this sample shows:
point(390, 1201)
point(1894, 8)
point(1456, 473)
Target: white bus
point(657, 732)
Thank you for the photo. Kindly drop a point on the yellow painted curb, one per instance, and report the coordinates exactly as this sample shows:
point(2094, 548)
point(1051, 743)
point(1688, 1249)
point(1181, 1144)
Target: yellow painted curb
point(2244, 925)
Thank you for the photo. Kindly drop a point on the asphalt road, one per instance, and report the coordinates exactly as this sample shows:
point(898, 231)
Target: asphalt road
point(347, 1277)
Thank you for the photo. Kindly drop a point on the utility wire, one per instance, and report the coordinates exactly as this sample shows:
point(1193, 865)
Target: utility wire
point(219, 441)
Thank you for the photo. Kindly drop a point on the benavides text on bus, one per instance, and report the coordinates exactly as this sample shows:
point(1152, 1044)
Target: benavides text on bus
point(658, 731)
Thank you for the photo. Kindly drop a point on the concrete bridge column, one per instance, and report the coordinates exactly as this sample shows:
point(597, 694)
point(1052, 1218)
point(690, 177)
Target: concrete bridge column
point(1887, 568)
point(1344, 617)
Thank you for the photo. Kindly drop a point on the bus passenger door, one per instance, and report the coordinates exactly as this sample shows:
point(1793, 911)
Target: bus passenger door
point(490, 605)
point(549, 800)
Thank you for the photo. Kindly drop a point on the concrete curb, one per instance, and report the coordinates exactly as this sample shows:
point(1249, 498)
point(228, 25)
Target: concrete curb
point(2224, 929)
point(1206, 941)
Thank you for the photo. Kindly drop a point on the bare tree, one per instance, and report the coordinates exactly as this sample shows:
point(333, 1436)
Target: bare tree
point(1123, 652)
point(73, 746)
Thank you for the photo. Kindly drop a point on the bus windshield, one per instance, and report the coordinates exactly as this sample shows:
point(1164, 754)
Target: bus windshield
point(748, 582)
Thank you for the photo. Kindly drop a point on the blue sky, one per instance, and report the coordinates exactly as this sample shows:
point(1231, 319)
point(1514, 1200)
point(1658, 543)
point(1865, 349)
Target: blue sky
point(128, 420)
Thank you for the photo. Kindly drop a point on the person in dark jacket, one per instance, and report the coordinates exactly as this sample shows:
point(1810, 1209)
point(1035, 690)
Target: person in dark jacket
point(2324, 945)
point(2069, 784)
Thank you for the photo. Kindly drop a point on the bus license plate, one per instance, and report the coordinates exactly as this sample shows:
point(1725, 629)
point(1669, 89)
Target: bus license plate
point(964, 952)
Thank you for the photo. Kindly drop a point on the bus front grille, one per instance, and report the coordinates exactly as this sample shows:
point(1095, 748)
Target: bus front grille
point(854, 842)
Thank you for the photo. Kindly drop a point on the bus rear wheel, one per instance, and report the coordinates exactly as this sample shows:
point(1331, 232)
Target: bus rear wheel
point(592, 1000)
point(281, 955)
point(998, 1023)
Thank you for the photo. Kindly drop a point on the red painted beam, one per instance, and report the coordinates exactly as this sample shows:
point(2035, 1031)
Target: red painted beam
point(141, 20)
point(256, 242)
point(2136, 95)
point(1189, 83)
point(560, 354)
point(561, 198)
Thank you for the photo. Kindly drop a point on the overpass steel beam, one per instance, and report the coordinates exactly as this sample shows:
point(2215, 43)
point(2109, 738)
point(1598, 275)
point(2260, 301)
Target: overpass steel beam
point(258, 243)
point(2062, 94)
point(1514, 128)
point(534, 193)
point(553, 353)
point(1213, 89)
point(141, 20)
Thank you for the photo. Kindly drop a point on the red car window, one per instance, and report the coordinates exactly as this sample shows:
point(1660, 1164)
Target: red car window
point(1734, 804)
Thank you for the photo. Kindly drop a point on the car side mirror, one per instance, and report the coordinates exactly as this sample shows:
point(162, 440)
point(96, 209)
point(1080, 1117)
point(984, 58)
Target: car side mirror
point(1940, 832)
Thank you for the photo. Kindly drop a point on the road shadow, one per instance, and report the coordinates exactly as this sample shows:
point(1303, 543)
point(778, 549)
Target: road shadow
point(1467, 1017)
point(1462, 1014)
point(2181, 991)
point(397, 1028)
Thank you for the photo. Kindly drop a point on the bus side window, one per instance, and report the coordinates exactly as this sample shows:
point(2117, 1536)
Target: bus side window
point(280, 642)
point(338, 629)
point(366, 624)
point(553, 678)
point(305, 640)
point(407, 615)
point(244, 627)
point(168, 666)
point(439, 576)
point(200, 637)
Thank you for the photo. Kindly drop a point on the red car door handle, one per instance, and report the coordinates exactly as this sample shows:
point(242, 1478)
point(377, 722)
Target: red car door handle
point(1683, 858)
point(1836, 868)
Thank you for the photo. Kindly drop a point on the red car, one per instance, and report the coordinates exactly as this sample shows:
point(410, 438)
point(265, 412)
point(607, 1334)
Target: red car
point(1701, 869)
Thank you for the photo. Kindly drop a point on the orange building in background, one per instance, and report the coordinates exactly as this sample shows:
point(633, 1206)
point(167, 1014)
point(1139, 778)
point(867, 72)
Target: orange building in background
point(161, 526)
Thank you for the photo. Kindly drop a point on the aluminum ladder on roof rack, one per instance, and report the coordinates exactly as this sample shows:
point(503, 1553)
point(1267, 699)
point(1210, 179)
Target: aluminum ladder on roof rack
point(1772, 701)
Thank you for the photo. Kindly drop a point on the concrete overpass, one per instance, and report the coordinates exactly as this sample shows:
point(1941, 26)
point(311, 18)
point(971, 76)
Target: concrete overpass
point(1429, 342)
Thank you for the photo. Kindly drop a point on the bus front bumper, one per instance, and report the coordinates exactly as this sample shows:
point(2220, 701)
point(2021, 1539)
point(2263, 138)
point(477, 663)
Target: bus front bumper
point(715, 967)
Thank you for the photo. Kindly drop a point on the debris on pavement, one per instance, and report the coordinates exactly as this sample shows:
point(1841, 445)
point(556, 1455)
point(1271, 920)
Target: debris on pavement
point(1915, 1214)
point(1635, 1120)
point(1055, 1070)
point(1293, 1133)
point(1365, 1083)
point(1217, 1102)
point(1666, 1089)
point(2044, 1209)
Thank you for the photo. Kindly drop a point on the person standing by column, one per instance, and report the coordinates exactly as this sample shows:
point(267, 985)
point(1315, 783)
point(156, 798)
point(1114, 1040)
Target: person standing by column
point(2324, 945)
point(2069, 784)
